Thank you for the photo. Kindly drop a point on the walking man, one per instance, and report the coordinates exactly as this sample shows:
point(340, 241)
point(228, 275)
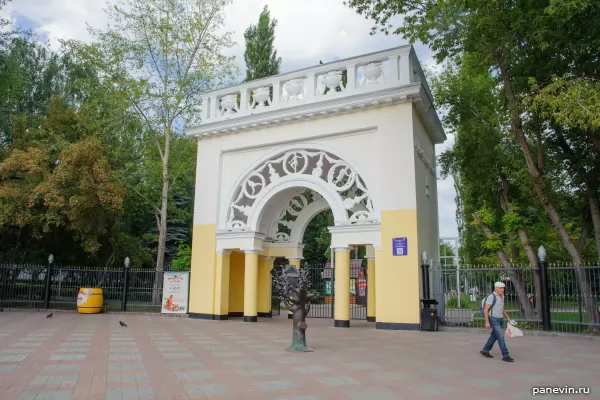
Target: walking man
point(494, 314)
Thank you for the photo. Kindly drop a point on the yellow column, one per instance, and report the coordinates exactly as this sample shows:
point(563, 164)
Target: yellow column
point(342, 287)
point(265, 286)
point(202, 277)
point(294, 262)
point(221, 300)
point(370, 288)
point(251, 286)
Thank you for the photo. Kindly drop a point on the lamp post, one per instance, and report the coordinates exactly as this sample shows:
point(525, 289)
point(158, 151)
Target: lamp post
point(545, 295)
point(48, 292)
point(425, 274)
point(125, 285)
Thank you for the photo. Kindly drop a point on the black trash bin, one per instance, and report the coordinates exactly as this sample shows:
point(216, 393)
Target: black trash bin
point(428, 316)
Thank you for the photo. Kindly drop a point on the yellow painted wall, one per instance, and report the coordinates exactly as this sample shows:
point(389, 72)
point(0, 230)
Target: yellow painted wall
point(264, 285)
point(291, 251)
point(222, 284)
point(236, 282)
point(202, 277)
point(397, 277)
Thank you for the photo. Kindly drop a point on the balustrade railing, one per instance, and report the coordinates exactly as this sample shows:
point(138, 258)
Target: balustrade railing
point(372, 72)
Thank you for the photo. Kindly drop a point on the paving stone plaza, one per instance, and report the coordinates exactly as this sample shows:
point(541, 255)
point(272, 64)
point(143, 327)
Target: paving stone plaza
point(73, 356)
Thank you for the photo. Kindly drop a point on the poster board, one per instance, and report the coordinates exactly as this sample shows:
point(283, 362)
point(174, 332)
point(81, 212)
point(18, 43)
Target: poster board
point(175, 292)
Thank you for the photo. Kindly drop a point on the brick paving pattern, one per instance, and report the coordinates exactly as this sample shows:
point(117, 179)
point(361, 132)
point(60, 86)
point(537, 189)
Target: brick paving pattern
point(72, 356)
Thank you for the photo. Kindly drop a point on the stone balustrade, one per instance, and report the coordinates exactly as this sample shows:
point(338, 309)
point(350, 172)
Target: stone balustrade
point(314, 86)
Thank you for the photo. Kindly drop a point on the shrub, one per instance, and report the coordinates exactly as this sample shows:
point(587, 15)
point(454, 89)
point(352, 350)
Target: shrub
point(453, 302)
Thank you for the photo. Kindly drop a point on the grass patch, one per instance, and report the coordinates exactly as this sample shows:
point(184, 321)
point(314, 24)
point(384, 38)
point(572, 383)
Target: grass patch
point(564, 322)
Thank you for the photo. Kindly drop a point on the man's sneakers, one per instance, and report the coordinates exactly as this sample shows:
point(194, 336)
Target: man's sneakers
point(488, 355)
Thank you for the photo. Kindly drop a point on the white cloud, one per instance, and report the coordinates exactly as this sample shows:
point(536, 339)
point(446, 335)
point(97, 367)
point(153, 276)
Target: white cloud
point(307, 32)
point(58, 19)
point(446, 197)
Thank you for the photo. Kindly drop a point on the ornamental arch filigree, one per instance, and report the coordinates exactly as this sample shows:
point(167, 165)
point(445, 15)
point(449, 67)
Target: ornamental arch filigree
point(330, 177)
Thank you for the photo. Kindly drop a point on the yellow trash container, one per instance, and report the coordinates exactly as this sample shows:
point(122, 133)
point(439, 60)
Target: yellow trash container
point(89, 301)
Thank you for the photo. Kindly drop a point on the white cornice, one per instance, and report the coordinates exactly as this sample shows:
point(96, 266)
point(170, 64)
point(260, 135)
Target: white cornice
point(424, 105)
point(375, 227)
point(325, 107)
point(223, 234)
point(277, 245)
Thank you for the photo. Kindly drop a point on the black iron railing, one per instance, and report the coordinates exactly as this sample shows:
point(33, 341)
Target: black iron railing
point(126, 289)
point(322, 277)
point(547, 296)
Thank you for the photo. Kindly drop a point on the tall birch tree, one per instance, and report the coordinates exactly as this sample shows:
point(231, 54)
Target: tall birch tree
point(163, 54)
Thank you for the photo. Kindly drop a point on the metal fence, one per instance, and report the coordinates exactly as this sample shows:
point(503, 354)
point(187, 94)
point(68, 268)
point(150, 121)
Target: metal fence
point(323, 283)
point(25, 286)
point(573, 295)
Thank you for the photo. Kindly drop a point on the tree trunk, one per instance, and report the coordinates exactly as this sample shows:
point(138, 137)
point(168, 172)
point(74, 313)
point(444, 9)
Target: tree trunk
point(514, 251)
point(537, 280)
point(109, 262)
point(505, 202)
point(580, 246)
point(595, 139)
point(592, 192)
point(299, 331)
point(162, 220)
point(516, 280)
point(299, 305)
point(544, 197)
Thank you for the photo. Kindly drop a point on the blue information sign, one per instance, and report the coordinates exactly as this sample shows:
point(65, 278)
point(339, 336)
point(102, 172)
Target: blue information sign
point(400, 246)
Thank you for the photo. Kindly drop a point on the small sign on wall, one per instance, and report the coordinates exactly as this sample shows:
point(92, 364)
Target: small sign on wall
point(400, 246)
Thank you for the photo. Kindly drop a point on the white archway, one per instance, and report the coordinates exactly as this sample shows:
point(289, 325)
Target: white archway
point(307, 215)
point(309, 166)
point(333, 200)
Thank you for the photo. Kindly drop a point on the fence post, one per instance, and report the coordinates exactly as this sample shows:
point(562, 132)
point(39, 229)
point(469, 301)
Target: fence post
point(125, 285)
point(425, 274)
point(545, 296)
point(332, 297)
point(48, 292)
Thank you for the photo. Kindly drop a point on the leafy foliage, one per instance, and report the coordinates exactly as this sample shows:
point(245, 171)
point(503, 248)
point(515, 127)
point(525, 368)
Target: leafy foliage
point(183, 261)
point(42, 188)
point(161, 55)
point(62, 104)
point(260, 54)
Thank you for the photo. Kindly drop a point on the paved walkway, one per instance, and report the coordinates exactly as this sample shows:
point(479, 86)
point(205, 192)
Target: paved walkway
point(72, 356)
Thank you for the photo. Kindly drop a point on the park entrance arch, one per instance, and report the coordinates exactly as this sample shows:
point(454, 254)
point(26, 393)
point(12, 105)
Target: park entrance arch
point(363, 148)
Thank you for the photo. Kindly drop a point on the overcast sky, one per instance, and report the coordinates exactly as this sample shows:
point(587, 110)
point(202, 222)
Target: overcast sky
point(307, 32)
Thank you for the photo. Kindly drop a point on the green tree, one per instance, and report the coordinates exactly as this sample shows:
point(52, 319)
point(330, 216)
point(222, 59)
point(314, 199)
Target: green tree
point(260, 54)
point(517, 41)
point(317, 239)
point(56, 177)
point(3, 23)
point(183, 261)
point(163, 54)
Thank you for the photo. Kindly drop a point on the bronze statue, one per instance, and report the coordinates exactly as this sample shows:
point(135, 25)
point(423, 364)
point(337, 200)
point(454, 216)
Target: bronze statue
point(293, 285)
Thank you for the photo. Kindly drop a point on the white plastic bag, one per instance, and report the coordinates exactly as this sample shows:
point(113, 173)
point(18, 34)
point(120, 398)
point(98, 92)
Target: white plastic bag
point(512, 331)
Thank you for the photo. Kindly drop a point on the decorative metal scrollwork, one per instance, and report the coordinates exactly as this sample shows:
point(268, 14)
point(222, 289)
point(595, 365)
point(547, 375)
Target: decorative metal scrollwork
point(321, 164)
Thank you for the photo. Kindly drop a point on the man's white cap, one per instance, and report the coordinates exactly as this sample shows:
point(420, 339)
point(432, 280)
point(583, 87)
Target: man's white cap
point(499, 284)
